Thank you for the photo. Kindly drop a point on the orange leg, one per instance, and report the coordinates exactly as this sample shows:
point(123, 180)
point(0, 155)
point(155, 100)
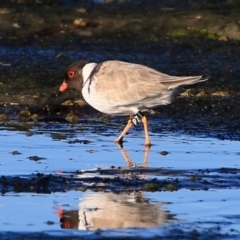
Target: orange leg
point(145, 125)
point(126, 129)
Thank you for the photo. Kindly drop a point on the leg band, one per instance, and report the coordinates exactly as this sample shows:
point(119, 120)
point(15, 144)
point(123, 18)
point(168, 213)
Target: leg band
point(137, 118)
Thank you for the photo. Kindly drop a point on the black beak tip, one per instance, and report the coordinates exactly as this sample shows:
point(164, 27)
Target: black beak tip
point(58, 93)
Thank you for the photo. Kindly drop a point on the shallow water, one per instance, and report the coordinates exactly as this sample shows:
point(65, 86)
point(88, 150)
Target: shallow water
point(61, 149)
point(81, 146)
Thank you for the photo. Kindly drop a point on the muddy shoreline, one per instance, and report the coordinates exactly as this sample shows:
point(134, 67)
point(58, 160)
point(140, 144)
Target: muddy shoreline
point(208, 107)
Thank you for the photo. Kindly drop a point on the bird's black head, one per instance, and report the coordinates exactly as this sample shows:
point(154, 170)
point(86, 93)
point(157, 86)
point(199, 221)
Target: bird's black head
point(73, 77)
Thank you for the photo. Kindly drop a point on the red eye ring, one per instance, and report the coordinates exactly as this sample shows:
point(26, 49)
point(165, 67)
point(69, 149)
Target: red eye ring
point(71, 74)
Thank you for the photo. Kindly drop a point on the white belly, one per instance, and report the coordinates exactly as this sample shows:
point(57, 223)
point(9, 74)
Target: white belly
point(101, 104)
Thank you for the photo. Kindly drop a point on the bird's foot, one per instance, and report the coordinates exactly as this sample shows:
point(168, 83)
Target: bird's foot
point(119, 141)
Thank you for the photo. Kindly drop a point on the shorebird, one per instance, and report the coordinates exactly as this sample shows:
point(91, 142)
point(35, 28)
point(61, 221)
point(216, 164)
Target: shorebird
point(121, 88)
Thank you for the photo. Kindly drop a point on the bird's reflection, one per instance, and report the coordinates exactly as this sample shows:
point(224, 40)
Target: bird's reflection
point(111, 210)
point(129, 161)
point(115, 210)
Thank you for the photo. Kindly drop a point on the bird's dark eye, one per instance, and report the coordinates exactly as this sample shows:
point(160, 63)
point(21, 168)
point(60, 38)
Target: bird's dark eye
point(71, 74)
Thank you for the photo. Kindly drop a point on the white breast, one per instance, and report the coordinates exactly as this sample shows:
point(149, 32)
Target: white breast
point(89, 93)
point(86, 71)
point(93, 98)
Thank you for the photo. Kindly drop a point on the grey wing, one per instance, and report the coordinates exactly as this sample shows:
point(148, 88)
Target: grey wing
point(126, 83)
point(122, 82)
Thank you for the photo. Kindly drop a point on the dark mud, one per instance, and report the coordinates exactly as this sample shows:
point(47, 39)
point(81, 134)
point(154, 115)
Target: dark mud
point(121, 180)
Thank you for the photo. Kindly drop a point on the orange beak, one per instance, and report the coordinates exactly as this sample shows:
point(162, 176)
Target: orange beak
point(63, 87)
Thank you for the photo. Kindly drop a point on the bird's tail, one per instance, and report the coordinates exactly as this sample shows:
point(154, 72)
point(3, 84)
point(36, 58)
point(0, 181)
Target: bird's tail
point(181, 81)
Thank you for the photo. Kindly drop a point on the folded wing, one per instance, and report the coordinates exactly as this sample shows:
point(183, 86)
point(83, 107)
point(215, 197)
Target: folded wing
point(132, 83)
